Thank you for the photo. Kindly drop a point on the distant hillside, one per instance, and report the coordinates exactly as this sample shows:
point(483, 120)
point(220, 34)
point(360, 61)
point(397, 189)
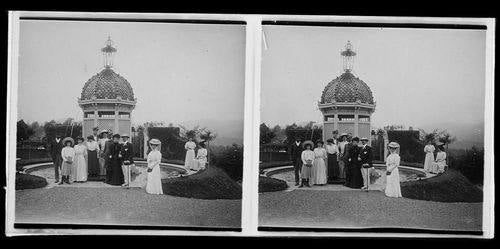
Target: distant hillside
point(228, 132)
point(467, 135)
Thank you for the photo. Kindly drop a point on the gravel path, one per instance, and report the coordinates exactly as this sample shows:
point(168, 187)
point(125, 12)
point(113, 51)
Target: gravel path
point(359, 209)
point(118, 206)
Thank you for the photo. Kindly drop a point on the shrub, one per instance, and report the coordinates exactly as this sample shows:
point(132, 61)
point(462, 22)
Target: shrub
point(26, 181)
point(212, 183)
point(451, 186)
point(172, 145)
point(269, 184)
point(411, 149)
point(230, 159)
point(469, 162)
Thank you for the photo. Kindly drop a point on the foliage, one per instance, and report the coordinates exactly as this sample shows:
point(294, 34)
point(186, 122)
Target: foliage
point(411, 149)
point(269, 184)
point(66, 129)
point(451, 186)
point(266, 134)
point(172, 145)
point(230, 159)
point(469, 162)
point(307, 132)
point(211, 183)
point(23, 131)
point(27, 181)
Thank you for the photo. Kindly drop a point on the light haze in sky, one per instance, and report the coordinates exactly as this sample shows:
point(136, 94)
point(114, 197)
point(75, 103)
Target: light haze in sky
point(179, 72)
point(418, 77)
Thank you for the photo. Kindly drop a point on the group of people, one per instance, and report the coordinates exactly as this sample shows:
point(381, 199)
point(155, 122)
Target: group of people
point(343, 161)
point(195, 161)
point(108, 155)
point(433, 164)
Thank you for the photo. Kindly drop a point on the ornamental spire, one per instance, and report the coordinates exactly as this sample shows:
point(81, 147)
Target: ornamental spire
point(107, 53)
point(348, 57)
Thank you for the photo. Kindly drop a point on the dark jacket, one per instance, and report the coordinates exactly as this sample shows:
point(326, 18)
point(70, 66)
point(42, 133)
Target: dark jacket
point(351, 155)
point(296, 151)
point(113, 153)
point(127, 151)
point(55, 148)
point(366, 155)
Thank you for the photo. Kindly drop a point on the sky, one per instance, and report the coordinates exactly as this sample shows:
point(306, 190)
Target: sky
point(179, 72)
point(418, 77)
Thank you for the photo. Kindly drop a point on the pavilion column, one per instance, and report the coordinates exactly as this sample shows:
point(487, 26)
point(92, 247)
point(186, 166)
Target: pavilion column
point(356, 125)
point(95, 119)
point(115, 129)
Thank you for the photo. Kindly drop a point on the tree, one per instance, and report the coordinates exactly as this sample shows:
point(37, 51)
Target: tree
point(23, 131)
point(266, 135)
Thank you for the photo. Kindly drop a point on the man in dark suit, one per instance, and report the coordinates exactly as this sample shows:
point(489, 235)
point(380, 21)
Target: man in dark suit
point(127, 152)
point(296, 154)
point(56, 146)
point(366, 157)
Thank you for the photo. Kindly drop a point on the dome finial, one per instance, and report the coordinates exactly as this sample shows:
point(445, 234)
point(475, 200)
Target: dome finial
point(107, 52)
point(348, 57)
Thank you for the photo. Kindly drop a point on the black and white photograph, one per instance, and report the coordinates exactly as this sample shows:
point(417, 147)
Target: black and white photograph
point(366, 127)
point(124, 123)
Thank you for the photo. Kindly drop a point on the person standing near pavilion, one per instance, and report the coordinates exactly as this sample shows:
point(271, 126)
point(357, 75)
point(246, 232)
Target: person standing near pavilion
point(354, 178)
point(319, 166)
point(429, 156)
point(296, 154)
point(127, 152)
point(95, 134)
point(341, 146)
point(92, 157)
point(56, 146)
point(153, 183)
point(103, 141)
point(393, 188)
point(68, 157)
point(114, 173)
point(79, 172)
point(307, 158)
point(332, 152)
point(189, 161)
point(366, 156)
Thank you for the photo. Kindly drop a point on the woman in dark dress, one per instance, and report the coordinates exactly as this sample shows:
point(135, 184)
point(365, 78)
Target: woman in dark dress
point(92, 152)
point(114, 172)
point(355, 179)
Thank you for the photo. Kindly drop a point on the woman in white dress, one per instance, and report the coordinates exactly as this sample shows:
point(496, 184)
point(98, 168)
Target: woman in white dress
point(201, 157)
point(319, 166)
point(153, 183)
point(68, 156)
point(189, 162)
point(429, 156)
point(80, 163)
point(307, 158)
point(392, 188)
point(440, 163)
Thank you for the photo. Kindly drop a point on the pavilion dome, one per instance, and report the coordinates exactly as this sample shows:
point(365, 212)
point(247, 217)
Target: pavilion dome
point(107, 85)
point(347, 88)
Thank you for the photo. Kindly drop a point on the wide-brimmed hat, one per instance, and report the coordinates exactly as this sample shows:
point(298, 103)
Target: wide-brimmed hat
point(154, 141)
point(364, 139)
point(95, 128)
point(125, 135)
point(343, 134)
point(393, 145)
point(103, 131)
point(116, 135)
point(330, 140)
point(439, 143)
point(306, 143)
point(66, 139)
point(80, 138)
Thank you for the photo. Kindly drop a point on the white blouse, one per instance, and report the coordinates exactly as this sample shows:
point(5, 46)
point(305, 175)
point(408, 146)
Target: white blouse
point(68, 153)
point(320, 153)
point(154, 159)
point(92, 146)
point(80, 150)
point(429, 148)
point(342, 147)
point(441, 157)
point(202, 153)
point(393, 161)
point(190, 145)
point(332, 149)
point(307, 155)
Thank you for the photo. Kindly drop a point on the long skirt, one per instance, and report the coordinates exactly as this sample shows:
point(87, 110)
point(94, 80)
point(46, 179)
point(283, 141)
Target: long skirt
point(202, 162)
point(306, 171)
point(354, 179)
point(392, 188)
point(341, 169)
point(102, 166)
point(66, 168)
point(114, 173)
point(429, 159)
point(153, 184)
point(319, 169)
point(93, 163)
point(80, 169)
point(189, 162)
point(333, 167)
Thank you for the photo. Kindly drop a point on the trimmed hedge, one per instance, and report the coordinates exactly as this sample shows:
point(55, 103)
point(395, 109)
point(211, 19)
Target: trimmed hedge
point(26, 181)
point(411, 149)
point(269, 184)
point(212, 183)
point(451, 186)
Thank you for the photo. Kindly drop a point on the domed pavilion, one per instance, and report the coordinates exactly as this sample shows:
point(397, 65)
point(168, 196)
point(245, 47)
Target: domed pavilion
point(347, 102)
point(107, 99)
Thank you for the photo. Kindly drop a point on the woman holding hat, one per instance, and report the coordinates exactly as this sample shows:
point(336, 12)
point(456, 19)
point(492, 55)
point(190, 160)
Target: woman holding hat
point(80, 163)
point(307, 163)
point(393, 188)
point(153, 183)
point(68, 156)
point(319, 166)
